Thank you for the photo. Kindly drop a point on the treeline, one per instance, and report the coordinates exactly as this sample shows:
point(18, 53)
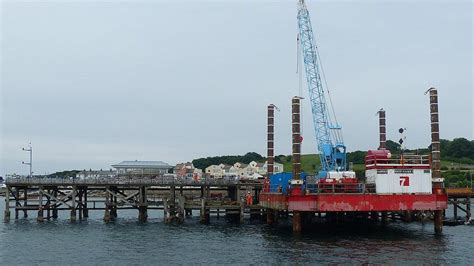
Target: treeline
point(203, 163)
point(458, 150)
point(64, 174)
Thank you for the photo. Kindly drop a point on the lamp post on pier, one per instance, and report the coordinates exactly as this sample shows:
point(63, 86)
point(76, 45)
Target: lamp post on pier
point(30, 163)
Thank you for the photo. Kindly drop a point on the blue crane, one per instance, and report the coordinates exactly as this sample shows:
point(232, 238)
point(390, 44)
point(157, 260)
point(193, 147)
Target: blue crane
point(330, 144)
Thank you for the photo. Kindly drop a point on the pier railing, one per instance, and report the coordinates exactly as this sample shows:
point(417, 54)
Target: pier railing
point(159, 181)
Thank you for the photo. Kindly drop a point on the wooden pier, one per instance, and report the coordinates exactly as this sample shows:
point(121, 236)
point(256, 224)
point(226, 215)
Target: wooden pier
point(460, 198)
point(45, 197)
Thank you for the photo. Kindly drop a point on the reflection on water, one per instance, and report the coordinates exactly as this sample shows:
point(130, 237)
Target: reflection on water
point(128, 242)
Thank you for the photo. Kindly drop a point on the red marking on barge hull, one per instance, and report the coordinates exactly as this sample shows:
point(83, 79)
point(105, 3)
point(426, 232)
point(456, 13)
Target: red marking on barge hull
point(354, 202)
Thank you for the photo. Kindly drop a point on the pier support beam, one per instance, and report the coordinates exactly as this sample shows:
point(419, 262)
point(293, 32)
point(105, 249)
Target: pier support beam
point(25, 202)
point(384, 218)
point(374, 216)
point(48, 204)
point(468, 207)
point(113, 203)
point(296, 222)
point(73, 203)
point(181, 201)
point(165, 210)
point(40, 205)
point(55, 206)
point(6, 216)
point(17, 202)
point(107, 206)
point(242, 209)
point(455, 208)
point(85, 209)
point(407, 216)
point(438, 221)
point(270, 218)
point(204, 213)
point(80, 205)
point(143, 205)
point(142, 209)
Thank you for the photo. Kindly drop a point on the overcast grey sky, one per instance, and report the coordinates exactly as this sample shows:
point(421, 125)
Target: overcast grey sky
point(93, 83)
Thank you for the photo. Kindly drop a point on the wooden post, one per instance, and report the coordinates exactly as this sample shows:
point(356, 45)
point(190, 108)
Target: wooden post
point(204, 216)
point(25, 202)
point(242, 206)
point(17, 202)
point(80, 206)
point(142, 209)
point(296, 222)
point(270, 217)
point(86, 208)
point(7, 205)
point(55, 208)
point(73, 203)
point(407, 216)
point(384, 218)
point(173, 195)
point(181, 201)
point(48, 205)
point(165, 210)
point(374, 216)
point(113, 210)
point(107, 207)
point(455, 208)
point(468, 207)
point(40, 204)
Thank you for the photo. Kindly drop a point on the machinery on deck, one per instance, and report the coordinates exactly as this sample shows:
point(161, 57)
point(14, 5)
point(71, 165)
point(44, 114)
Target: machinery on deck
point(405, 174)
point(330, 144)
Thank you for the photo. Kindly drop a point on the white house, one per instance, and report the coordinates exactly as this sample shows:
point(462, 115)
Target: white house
point(214, 171)
point(277, 167)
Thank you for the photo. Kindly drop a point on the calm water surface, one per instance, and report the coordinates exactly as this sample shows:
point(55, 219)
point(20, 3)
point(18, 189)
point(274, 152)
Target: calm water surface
point(126, 242)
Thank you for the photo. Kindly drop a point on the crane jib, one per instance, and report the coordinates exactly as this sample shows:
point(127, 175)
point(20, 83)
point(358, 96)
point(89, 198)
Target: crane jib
point(331, 149)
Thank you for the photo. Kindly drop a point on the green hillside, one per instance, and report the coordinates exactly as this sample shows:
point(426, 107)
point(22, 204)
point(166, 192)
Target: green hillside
point(310, 163)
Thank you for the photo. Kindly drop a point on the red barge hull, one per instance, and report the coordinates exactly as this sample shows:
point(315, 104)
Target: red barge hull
point(354, 202)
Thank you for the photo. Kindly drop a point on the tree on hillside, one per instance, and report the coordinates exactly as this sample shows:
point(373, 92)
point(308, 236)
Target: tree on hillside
point(393, 146)
point(460, 148)
point(356, 157)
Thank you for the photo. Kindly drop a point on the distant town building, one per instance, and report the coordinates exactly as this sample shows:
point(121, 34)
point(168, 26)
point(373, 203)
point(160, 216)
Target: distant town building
point(142, 168)
point(215, 171)
point(187, 170)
